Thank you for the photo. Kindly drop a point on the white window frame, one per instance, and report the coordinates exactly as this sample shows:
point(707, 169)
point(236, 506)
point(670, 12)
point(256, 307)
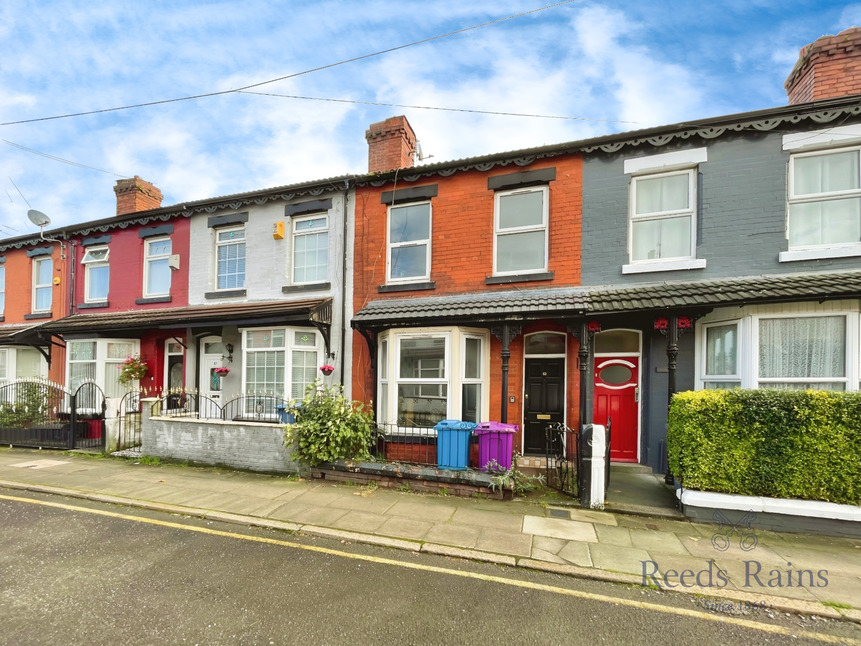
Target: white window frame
point(91, 262)
point(150, 258)
point(736, 378)
point(226, 243)
point(37, 263)
point(288, 348)
point(102, 361)
point(652, 166)
point(312, 232)
point(453, 375)
point(418, 242)
point(542, 227)
point(748, 344)
point(846, 249)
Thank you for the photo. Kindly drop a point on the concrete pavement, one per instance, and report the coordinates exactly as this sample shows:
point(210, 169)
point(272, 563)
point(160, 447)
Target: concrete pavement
point(789, 572)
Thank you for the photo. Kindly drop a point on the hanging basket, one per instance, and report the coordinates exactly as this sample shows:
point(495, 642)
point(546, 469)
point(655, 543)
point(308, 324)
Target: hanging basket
point(327, 369)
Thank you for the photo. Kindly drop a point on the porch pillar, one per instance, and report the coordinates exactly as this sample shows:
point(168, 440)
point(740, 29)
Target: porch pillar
point(672, 364)
point(506, 334)
point(586, 359)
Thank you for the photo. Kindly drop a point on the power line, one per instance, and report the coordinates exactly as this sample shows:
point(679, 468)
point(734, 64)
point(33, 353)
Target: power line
point(290, 76)
point(428, 107)
point(60, 159)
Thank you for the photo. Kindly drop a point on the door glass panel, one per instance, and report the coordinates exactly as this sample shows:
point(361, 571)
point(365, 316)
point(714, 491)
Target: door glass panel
point(617, 341)
point(615, 375)
point(545, 343)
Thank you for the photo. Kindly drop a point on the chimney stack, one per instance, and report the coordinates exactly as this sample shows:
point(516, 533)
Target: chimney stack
point(827, 68)
point(391, 144)
point(135, 195)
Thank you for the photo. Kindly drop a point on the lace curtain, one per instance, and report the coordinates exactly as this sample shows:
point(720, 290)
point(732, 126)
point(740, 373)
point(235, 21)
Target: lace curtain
point(792, 350)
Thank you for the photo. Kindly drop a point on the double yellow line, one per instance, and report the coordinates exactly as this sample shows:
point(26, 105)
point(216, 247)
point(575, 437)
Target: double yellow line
point(644, 605)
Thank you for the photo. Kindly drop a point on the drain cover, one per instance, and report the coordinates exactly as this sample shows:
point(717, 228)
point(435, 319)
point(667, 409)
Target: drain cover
point(560, 513)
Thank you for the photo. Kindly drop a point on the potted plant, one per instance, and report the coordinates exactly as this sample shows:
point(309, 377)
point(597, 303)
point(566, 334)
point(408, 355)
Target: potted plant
point(222, 371)
point(132, 369)
point(327, 369)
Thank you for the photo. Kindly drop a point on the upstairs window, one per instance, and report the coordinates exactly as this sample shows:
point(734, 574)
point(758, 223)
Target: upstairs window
point(230, 258)
point(520, 241)
point(824, 199)
point(662, 216)
point(96, 274)
point(409, 242)
point(310, 249)
point(43, 274)
point(157, 267)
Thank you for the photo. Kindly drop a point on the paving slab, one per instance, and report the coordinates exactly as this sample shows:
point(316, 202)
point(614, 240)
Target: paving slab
point(657, 542)
point(571, 530)
point(324, 516)
point(577, 553)
point(741, 575)
point(548, 544)
point(451, 534)
point(371, 503)
point(549, 557)
point(618, 559)
point(321, 497)
point(360, 521)
point(839, 588)
point(704, 548)
point(670, 568)
point(502, 542)
point(289, 511)
point(590, 516)
point(609, 535)
point(405, 528)
point(493, 519)
point(419, 511)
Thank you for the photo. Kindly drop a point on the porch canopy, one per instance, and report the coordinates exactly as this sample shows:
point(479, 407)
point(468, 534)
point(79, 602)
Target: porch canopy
point(576, 302)
point(317, 312)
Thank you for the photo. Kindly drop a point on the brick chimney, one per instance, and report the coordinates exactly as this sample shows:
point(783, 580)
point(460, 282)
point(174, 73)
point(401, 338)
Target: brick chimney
point(827, 68)
point(135, 195)
point(390, 144)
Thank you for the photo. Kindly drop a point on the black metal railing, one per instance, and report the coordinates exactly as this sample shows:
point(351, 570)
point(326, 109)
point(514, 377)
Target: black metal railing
point(38, 413)
point(562, 458)
point(129, 421)
point(246, 408)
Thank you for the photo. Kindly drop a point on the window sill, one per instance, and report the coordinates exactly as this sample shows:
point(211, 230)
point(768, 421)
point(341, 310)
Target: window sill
point(86, 306)
point(227, 293)
point(406, 287)
point(847, 251)
point(519, 278)
point(152, 299)
point(311, 287)
point(38, 315)
point(668, 265)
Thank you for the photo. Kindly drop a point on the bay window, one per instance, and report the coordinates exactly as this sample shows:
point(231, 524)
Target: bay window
point(281, 361)
point(98, 361)
point(430, 375)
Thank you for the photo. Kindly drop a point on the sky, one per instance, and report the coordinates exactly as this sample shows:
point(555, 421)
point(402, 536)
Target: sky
point(605, 67)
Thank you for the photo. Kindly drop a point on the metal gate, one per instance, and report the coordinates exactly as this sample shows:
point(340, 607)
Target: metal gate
point(129, 421)
point(41, 414)
point(564, 459)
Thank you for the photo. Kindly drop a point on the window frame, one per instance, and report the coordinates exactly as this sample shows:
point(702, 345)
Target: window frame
point(426, 242)
point(690, 211)
point(544, 226)
point(219, 244)
point(288, 347)
point(150, 258)
point(828, 249)
point(37, 263)
point(101, 362)
point(704, 376)
point(389, 377)
point(91, 264)
point(324, 215)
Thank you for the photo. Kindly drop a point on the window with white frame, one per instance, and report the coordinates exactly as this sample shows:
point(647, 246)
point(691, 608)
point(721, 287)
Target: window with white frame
point(230, 258)
point(2, 289)
point(97, 274)
point(409, 248)
point(425, 377)
point(310, 249)
point(802, 352)
point(99, 361)
point(721, 367)
point(271, 355)
point(662, 216)
point(520, 240)
point(157, 253)
point(824, 199)
point(43, 275)
point(4, 365)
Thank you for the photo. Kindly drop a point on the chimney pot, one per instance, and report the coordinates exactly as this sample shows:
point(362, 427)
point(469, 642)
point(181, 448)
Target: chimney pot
point(391, 144)
point(827, 68)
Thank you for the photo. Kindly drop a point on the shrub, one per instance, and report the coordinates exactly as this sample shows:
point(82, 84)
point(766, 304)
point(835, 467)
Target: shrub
point(329, 427)
point(768, 442)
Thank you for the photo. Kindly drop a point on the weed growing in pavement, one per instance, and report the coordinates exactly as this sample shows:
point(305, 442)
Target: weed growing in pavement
point(837, 604)
point(442, 491)
point(405, 488)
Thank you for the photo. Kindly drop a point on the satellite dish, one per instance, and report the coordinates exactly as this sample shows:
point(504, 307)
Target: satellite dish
point(38, 218)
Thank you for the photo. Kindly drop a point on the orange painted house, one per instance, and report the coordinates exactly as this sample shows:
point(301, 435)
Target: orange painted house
point(463, 302)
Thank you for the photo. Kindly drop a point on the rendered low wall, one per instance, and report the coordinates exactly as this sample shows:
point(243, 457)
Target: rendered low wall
point(240, 445)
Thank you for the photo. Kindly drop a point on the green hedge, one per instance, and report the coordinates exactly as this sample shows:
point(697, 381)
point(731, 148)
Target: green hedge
point(769, 442)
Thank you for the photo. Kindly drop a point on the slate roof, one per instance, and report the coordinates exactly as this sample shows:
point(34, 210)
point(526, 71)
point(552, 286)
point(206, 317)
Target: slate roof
point(567, 302)
point(228, 314)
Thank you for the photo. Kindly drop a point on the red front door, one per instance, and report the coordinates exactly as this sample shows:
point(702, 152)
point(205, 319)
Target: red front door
point(616, 396)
